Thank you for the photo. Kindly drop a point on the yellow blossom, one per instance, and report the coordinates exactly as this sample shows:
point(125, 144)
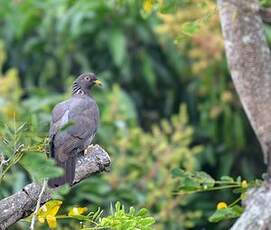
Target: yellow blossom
point(48, 211)
point(148, 6)
point(41, 220)
point(244, 184)
point(51, 220)
point(227, 96)
point(76, 211)
point(221, 205)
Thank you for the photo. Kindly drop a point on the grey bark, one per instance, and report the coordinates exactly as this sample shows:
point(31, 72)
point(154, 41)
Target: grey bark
point(249, 62)
point(23, 203)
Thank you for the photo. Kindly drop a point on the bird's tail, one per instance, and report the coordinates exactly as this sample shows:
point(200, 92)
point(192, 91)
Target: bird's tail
point(69, 173)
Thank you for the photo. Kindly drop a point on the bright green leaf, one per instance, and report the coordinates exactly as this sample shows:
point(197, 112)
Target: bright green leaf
point(226, 213)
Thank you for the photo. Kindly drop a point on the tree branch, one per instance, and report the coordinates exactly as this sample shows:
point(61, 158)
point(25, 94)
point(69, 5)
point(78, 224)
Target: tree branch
point(249, 62)
point(22, 203)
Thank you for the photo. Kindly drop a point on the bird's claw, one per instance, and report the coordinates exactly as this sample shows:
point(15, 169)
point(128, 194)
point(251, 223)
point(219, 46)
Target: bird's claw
point(89, 147)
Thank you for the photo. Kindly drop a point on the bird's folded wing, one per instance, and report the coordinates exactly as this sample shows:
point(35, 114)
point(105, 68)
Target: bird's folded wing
point(84, 124)
point(73, 124)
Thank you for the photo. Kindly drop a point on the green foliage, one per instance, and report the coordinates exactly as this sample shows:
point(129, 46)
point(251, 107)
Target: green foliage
point(11, 150)
point(119, 219)
point(191, 182)
point(64, 37)
point(122, 220)
point(142, 161)
point(19, 146)
point(265, 3)
point(15, 150)
point(190, 28)
point(32, 162)
point(226, 213)
point(146, 78)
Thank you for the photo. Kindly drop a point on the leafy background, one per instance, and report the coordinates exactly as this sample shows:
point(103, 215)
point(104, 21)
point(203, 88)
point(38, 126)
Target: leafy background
point(167, 101)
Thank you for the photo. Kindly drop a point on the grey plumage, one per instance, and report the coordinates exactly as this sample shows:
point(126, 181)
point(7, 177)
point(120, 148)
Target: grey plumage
point(73, 126)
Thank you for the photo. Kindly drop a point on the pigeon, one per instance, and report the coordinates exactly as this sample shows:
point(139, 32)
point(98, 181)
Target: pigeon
point(73, 126)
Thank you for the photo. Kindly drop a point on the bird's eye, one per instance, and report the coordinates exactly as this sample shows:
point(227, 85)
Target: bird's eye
point(87, 78)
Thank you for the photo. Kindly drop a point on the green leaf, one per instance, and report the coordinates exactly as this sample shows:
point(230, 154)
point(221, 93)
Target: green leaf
point(170, 6)
point(147, 221)
point(60, 192)
point(39, 166)
point(177, 172)
point(190, 28)
point(117, 46)
point(148, 71)
point(205, 179)
point(190, 181)
point(188, 185)
point(265, 3)
point(227, 179)
point(143, 212)
point(120, 219)
point(226, 213)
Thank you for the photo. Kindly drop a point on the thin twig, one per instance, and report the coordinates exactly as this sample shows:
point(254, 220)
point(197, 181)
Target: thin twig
point(38, 205)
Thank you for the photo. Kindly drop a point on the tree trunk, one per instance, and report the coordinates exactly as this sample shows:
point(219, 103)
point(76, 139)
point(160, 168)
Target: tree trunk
point(249, 61)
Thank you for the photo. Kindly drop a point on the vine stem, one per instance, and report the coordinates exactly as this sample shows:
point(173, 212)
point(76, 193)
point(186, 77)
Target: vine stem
point(235, 202)
point(209, 189)
point(37, 206)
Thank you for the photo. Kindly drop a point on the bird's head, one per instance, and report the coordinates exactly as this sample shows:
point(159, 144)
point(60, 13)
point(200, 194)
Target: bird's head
point(84, 83)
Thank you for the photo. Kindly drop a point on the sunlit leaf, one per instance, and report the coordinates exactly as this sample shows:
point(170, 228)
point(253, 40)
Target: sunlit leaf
point(191, 181)
point(226, 213)
point(190, 28)
point(117, 45)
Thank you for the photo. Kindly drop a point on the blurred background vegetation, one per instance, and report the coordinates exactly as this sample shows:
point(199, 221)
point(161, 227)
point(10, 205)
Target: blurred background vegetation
point(167, 100)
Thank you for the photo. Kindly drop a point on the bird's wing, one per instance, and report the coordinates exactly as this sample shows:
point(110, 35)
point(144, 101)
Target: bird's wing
point(59, 117)
point(82, 116)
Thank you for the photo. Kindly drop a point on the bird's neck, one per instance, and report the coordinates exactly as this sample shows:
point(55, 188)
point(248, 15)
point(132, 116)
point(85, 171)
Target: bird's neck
point(78, 90)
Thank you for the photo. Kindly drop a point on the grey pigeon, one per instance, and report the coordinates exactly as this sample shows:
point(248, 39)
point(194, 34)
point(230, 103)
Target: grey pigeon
point(73, 126)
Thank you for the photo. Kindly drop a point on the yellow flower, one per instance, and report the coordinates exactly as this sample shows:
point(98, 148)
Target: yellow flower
point(221, 205)
point(148, 6)
point(244, 184)
point(227, 96)
point(41, 220)
point(76, 211)
point(51, 220)
point(48, 212)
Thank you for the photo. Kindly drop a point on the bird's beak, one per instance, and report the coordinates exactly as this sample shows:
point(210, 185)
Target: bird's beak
point(98, 82)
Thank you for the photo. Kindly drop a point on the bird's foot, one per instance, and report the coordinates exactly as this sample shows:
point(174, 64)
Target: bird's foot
point(87, 149)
